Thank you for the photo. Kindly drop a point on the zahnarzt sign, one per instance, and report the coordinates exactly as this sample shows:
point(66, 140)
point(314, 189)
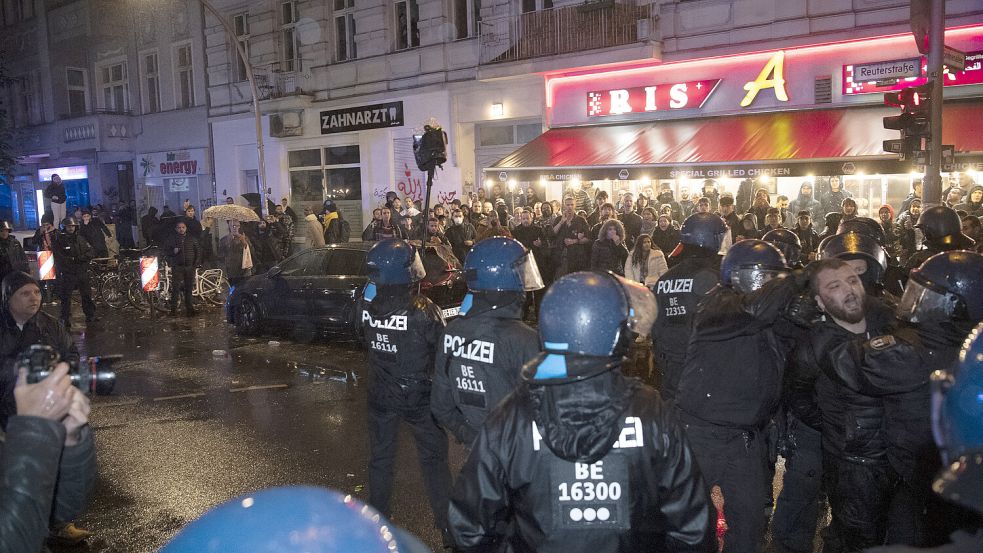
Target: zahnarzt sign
point(361, 118)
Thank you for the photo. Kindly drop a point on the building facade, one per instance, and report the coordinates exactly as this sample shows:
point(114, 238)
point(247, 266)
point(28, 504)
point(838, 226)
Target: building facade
point(344, 85)
point(111, 96)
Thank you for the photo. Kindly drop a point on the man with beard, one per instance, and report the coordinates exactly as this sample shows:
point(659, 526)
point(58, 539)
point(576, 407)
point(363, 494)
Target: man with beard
point(631, 220)
point(730, 217)
point(941, 304)
point(665, 198)
point(461, 234)
point(571, 239)
point(605, 212)
point(974, 202)
point(833, 434)
point(805, 201)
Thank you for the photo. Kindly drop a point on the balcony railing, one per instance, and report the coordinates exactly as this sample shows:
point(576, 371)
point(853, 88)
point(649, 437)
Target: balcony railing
point(279, 79)
point(562, 30)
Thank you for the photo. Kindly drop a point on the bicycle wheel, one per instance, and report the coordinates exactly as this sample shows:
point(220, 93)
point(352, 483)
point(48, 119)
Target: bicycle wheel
point(113, 293)
point(214, 288)
point(134, 292)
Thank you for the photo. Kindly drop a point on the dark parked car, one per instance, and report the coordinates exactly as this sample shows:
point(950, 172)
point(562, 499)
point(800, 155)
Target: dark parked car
point(321, 288)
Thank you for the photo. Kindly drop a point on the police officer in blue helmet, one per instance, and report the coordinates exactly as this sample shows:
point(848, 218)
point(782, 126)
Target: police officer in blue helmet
point(480, 355)
point(957, 425)
point(580, 457)
point(941, 304)
point(401, 333)
point(731, 385)
point(694, 273)
point(293, 519)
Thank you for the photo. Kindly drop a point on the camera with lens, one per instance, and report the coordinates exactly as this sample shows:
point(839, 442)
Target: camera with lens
point(92, 376)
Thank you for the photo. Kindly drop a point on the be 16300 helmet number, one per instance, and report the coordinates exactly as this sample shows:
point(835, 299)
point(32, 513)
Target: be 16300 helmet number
point(590, 495)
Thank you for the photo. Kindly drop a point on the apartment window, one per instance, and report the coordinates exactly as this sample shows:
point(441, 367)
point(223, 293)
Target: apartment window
point(328, 173)
point(407, 17)
point(288, 37)
point(344, 24)
point(467, 17)
point(151, 82)
point(115, 90)
point(185, 76)
point(78, 94)
point(27, 100)
point(241, 25)
point(536, 5)
point(501, 135)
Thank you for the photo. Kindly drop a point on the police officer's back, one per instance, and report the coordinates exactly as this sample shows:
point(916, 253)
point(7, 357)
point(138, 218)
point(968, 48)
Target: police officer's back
point(72, 256)
point(679, 290)
point(400, 333)
point(580, 457)
point(481, 353)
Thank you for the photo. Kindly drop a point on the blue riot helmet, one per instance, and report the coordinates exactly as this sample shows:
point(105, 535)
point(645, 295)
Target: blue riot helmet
point(291, 519)
point(393, 261)
point(595, 314)
point(947, 286)
point(705, 230)
point(957, 424)
point(787, 242)
point(852, 245)
point(503, 265)
point(749, 264)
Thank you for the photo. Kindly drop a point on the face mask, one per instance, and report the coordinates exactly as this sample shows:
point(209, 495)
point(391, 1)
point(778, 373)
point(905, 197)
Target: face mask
point(458, 220)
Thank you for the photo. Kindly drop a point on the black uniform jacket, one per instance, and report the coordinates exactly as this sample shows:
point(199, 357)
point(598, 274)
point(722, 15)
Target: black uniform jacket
point(596, 465)
point(400, 333)
point(736, 357)
point(479, 358)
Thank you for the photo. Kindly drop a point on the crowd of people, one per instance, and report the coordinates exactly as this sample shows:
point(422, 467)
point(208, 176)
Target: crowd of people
point(769, 341)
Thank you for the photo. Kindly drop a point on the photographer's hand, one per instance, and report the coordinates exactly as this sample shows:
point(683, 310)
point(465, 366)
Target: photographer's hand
point(78, 416)
point(49, 399)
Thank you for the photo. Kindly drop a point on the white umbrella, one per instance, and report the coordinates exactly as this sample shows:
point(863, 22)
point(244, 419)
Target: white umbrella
point(229, 211)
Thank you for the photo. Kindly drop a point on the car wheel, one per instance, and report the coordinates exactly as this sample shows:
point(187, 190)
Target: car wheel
point(248, 318)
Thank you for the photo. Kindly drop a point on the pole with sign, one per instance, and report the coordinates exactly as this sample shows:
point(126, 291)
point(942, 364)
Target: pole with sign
point(150, 280)
point(936, 40)
point(46, 265)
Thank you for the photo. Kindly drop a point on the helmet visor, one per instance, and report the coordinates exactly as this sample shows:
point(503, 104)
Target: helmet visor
point(528, 272)
point(641, 306)
point(753, 278)
point(920, 303)
point(417, 272)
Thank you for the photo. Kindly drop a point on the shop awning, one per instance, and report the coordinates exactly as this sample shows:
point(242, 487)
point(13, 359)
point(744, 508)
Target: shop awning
point(833, 141)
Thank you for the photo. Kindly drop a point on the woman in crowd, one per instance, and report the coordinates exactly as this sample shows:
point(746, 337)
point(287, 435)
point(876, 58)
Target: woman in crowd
point(649, 221)
point(760, 207)
point(665, 236)
point(609, 252)
point(647, 262)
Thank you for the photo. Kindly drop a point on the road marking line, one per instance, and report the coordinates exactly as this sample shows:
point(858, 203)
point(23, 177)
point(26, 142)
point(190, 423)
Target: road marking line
point(120, 404)
point(250, 388)
point(182, 396)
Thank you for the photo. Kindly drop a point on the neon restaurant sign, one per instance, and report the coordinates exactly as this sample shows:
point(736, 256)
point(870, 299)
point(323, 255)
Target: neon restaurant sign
point(684, 95)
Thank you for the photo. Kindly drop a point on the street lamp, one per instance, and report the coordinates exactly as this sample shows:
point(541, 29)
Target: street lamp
point(261, 181)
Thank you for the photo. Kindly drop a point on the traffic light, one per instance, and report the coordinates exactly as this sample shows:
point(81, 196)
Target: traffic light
point(913, 122)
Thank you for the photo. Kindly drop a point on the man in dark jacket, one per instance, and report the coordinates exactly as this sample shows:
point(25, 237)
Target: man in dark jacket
point(631, 220)
point(95, 233)
point(678, 292)
point(72, 256)
point(55, 192)
point(727, 213)
point(805, 201)
point(832, 201)
point(460, 234)
point(974, 202)
point(481, 353)
point(190, 221)
point(943, 232)
point(12, 256)
point(183, 255)
point(915, 194)
point(336, 229)
point(23, 324)
point(534, 238)
point(149, 224)
point(808, 238)
point(578, 457)
point(941, 304)
point(827, 420)
point(666, 198)
point(731, 383)
point(401, 333)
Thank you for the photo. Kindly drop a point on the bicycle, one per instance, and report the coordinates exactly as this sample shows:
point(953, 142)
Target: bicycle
point(210, 287)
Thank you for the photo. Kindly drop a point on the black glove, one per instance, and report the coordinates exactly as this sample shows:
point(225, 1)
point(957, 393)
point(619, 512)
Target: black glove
point(803, 311)
point(803, 275)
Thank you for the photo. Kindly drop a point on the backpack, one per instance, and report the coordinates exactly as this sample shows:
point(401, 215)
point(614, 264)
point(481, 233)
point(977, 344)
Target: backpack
point(345, 229)
point(338, 232)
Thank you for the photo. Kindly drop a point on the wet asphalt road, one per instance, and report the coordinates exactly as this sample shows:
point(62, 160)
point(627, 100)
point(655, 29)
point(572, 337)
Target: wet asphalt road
point(186, 429)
